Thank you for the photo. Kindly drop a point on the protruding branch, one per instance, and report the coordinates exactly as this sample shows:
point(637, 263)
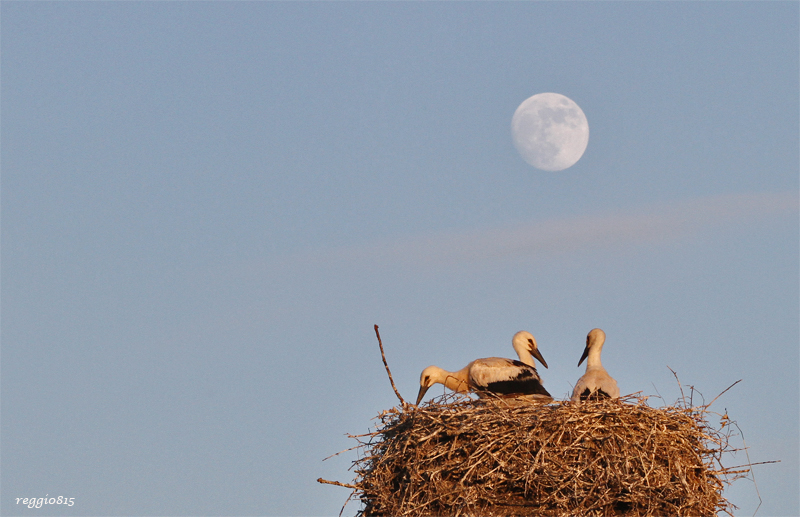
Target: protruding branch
point(723, 391)
point(320, 480)
point(683, 397)
point(383, 356)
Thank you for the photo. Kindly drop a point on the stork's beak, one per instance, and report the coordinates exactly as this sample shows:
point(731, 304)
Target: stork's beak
point(422, 390)
point(585, 354)
point(538, 355)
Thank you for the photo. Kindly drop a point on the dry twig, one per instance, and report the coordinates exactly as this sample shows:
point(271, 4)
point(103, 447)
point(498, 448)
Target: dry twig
point(383, 356)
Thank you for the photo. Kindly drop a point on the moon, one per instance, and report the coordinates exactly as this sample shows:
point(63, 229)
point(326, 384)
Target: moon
point(550, 131)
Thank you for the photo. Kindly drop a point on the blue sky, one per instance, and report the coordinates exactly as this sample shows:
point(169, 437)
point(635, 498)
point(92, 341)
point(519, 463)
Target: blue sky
point(207, 206)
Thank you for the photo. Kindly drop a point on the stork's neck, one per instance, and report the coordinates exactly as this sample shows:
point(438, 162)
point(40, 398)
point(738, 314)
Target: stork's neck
point(457, 381)
point(593, 361)
point(525, 356)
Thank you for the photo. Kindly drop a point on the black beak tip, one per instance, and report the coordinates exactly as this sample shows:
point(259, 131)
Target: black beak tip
point(584, 356)
point(538, 355)
point(422, 391)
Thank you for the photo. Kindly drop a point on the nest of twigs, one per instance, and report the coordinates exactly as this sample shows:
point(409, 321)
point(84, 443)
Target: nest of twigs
point(503, 457)
point(460, 456)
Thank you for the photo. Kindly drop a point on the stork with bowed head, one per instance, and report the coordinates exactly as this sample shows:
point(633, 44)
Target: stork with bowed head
point(494, 376)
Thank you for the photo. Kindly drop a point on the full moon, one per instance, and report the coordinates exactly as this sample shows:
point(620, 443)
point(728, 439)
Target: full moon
point(550, 131)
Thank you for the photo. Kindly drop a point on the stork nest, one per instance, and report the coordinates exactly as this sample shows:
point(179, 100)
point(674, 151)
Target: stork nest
point(459, 456)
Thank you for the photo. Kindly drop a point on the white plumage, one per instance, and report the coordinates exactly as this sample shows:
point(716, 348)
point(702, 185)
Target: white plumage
point(494, 375)
point(596, 382)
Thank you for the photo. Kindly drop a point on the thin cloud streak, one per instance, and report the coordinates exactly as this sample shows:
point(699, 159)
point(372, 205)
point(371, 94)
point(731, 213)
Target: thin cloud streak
point(654, 224)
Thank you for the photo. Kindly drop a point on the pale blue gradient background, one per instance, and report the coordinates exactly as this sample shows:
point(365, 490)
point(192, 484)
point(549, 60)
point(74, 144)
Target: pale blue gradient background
point(207, 206)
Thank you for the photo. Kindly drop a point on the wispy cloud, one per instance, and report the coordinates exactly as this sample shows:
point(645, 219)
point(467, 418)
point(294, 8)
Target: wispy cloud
point(539, 239)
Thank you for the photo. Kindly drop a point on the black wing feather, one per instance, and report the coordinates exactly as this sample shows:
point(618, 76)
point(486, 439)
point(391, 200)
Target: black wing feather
point(594, 395)
point(526, 382)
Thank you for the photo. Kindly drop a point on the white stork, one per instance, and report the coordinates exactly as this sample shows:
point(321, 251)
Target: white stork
point(493, 375)
point(596, 382)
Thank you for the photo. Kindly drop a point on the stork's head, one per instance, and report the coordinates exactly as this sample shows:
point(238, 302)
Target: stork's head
point(524, 343)
point(428, 378)
point(594, 339)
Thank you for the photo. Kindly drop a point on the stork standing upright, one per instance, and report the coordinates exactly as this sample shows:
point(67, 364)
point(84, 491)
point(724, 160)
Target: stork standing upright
point(596, 382)
point(493, 375)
